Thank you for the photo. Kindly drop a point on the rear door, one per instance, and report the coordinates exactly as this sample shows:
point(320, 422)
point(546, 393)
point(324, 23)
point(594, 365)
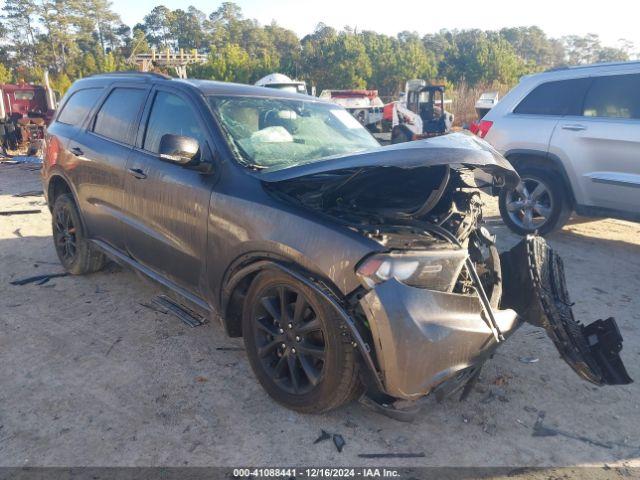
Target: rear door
point(603, 144)
point(101, 152)
point(167, 204)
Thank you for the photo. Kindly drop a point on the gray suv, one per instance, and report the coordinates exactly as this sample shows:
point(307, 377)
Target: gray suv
point(573, 135)
point(347, 267)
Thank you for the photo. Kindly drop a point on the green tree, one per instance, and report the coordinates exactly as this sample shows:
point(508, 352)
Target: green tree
point(158, 27)
point(231, 63)
point(21, 28)
point(588, 49)
point(187, 28)
point(533, 46)
point(335, 60)
point(414, 61)
point(5, 74)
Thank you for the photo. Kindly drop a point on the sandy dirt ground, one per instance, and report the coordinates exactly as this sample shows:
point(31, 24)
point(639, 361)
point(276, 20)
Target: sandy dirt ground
point(89, 376)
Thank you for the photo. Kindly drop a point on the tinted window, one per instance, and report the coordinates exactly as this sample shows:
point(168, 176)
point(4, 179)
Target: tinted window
point(79, 105)
point(617, 96)
point(564, 97)
point(171, 114)
point(118, 114)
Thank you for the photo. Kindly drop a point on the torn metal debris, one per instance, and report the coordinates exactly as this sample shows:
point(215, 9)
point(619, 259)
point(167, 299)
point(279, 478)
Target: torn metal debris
point(7, 213)
point(38, 279)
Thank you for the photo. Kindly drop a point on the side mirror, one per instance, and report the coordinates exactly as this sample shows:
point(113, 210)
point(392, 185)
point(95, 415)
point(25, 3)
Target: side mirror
point(178, 149)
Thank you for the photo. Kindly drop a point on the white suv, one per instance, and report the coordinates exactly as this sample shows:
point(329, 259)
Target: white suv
point(573, 134)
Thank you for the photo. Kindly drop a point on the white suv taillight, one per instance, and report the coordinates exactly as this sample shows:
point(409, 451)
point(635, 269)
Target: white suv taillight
point(483, 127)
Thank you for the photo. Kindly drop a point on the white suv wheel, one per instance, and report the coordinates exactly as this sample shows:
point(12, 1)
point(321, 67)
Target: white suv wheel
point(531, 204)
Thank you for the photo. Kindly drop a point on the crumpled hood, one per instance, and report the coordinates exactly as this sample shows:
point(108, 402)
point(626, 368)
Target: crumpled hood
point(460, 149)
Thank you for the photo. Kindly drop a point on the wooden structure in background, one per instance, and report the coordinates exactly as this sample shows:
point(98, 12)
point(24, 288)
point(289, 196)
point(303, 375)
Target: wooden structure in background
point(167, 59)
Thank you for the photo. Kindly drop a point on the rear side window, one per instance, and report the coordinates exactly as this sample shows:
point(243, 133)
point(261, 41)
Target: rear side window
point(563, 97)
point(171, 114)
point(78, 105)
point(614, 97)
point(118, 114)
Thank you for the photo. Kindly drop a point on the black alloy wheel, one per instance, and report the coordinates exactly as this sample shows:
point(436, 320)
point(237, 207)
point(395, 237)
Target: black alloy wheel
point(297, 344)
point(290, 340)
point(76, 253)
point(64, 235)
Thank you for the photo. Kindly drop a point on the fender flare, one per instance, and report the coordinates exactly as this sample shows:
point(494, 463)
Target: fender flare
point(554, 159)
point(320, 289)
point(59, 174)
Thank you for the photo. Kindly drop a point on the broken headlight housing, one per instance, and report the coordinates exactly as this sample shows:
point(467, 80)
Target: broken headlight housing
point(431, 269)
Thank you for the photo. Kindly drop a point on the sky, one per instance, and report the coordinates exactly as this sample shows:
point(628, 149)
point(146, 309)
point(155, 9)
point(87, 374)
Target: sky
point(611, 20)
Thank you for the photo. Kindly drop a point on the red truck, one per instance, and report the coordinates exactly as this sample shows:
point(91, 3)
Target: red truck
point(25, 111)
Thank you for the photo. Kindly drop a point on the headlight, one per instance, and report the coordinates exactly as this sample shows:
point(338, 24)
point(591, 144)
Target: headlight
point(432, 269)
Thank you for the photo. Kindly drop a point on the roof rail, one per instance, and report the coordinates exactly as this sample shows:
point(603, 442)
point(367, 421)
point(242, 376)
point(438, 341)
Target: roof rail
point(592, 65)
point(132, 73)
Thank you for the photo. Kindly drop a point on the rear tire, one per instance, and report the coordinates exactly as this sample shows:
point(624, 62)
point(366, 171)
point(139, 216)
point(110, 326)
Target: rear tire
point(297, 346)
point(526, 212)
point(77, 255)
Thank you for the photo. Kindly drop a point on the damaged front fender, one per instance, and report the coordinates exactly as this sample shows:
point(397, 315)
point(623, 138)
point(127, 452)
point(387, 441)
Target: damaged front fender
point(534, 286)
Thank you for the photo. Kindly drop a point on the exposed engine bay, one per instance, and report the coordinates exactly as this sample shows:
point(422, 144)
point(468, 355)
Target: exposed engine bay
point(410, 209)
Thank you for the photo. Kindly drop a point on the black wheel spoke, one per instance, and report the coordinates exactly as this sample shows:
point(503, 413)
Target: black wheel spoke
point(279, 366)
point(284, 314)
point(293, 372)
point(310, 326)
point(309, 370)
point(313, 350)
point(299, 309)
point(269, 304)
point(266, 349)
point(266, 326)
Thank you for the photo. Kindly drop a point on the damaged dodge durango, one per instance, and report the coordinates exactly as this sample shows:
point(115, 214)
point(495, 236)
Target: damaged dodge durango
point(350, 270)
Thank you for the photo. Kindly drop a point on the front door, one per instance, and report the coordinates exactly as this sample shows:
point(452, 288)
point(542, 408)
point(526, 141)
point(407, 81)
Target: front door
point(167, 204)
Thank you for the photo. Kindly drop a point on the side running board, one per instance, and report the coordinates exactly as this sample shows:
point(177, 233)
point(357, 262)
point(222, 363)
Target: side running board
point(534, 286)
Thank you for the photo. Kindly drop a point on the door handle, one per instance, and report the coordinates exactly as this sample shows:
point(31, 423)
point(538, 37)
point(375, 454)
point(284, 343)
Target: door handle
point(138, 173)
point(574, 127)
point(77, 151)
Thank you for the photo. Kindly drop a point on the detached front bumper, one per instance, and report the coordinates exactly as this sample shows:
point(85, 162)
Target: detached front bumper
point(424, 337)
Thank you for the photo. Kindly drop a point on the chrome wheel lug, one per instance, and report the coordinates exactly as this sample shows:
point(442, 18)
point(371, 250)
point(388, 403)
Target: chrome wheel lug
point(293, 350)
point(290, 325)
point(281, 330)
point(297, 339)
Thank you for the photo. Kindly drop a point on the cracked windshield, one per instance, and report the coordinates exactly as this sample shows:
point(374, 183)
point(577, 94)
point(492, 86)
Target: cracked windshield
point(281, 133)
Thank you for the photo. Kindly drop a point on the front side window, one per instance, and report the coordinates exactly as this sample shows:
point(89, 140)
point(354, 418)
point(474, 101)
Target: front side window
point(171, 114)
point(617, 96)
point(563, 97)
point(77, 107)
point(117, 116)
point(280, 133)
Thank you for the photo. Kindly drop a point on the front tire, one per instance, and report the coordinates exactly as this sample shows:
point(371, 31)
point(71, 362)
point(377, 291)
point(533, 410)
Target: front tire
point(74, 250)
point(539, 204)
point(297, 346)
